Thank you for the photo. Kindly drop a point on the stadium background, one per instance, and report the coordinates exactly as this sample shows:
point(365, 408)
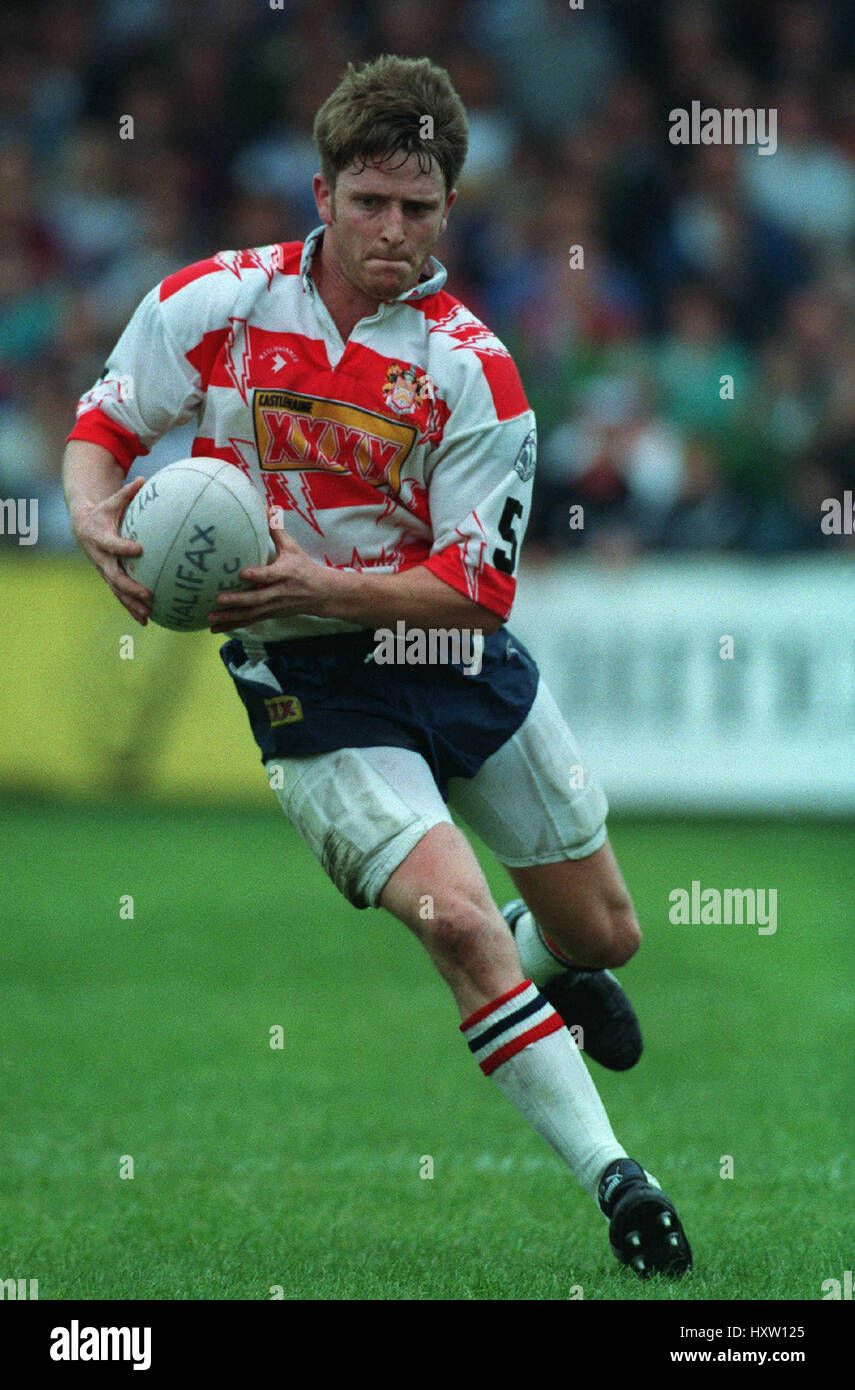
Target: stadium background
point(702, 519)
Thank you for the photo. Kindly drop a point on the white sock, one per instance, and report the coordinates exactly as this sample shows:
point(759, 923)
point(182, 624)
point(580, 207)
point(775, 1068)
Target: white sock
point(540, 958)
point(521, 1042)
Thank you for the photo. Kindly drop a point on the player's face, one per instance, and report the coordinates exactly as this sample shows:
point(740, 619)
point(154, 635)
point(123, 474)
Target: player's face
point(383, 223)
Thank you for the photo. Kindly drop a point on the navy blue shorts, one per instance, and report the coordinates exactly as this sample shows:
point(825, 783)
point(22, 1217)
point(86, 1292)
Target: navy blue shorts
point(318, 694)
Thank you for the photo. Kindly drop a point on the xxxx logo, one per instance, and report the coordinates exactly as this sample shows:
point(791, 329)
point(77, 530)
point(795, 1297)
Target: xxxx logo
point(310, 432)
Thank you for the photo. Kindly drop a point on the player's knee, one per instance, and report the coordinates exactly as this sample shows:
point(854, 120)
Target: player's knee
point(461, 934)
point(624, 936)
point(611, 939)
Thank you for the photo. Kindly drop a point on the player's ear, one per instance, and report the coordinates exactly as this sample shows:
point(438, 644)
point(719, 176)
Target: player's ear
point(448, 202)
point(324, 199)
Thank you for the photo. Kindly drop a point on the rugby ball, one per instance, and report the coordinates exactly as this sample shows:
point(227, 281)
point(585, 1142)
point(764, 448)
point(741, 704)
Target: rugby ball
point(199, 521)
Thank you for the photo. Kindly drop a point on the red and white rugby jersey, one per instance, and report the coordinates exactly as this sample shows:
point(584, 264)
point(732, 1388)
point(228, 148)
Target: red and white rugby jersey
point(412, 443)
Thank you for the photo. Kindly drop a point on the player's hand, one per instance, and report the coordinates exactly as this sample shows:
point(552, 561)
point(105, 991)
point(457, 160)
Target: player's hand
point(291, 583)
point(96, 530)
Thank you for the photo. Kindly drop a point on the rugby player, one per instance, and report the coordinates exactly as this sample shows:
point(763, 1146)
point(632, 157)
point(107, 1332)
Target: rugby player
point(388, 430)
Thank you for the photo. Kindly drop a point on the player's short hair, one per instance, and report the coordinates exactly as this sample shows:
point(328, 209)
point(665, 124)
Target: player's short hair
point(380, 109)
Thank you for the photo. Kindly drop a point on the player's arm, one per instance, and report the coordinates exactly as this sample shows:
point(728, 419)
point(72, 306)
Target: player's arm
point(417, 597)
point(480, 495)
point(147, 386)
point(294, 583)
point(96, 495)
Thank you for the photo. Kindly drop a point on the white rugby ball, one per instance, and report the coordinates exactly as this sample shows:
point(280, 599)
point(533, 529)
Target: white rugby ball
point(199, 521)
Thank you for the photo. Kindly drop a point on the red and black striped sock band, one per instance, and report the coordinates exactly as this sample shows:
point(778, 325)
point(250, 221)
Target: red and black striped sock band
point(551, 947)
point(500, 1030)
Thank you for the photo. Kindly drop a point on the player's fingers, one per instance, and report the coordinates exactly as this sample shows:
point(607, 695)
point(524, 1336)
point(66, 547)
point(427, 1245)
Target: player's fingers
point(127, 493)
point(123, 585)
point(247, 598)
point(119, 545)
point(137, 595)
point(276, 523)
point(259, 574)
point(136, 610)
point(283, 545)
point(241, 616)
point(140, 599)
point(136, 606)
point(117, 505)
point(236, 619)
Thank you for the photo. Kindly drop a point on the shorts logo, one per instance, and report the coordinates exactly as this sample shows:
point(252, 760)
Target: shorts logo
point(283, 709)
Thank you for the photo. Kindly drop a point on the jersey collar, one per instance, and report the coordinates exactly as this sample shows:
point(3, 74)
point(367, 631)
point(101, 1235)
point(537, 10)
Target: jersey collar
point(436, 272)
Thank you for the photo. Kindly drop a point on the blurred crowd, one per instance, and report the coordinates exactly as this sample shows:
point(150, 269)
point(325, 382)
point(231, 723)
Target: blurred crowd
point(693, 373)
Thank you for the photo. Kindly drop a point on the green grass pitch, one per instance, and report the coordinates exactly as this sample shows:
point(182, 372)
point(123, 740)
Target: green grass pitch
point(299, 1167)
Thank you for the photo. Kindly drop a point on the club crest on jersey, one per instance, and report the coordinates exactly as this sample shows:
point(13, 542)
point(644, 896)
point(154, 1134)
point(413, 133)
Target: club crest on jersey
point(283, 709)
point(405, 389)
point(524, 461)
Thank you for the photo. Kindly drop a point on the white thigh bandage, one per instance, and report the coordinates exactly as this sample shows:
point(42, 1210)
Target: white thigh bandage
point(534, 801)
point(360, 811)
